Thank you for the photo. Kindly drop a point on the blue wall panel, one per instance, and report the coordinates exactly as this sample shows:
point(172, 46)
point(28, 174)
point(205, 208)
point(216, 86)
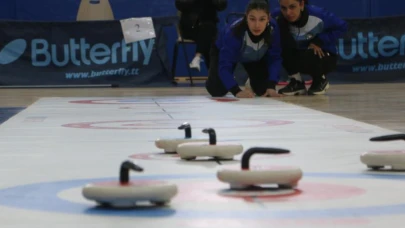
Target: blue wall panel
point(7, 9)
point(342, 8)
point(346, 8)
point(384, 8)
point(46, 10)
point(67, 9)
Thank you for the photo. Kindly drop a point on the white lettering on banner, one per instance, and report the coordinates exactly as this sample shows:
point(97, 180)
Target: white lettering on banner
point(44, 54)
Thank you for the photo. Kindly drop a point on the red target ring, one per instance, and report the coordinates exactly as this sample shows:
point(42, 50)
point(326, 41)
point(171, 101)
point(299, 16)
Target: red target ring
point(132, 183)
point(176, 157)
point(173, 124)
point(305, 191)
point(146, 101)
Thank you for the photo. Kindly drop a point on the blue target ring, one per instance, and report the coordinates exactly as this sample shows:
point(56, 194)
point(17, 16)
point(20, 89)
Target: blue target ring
point(43, 197)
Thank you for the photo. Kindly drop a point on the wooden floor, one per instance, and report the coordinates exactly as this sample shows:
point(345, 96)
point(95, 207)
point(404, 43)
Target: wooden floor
point(378, 104)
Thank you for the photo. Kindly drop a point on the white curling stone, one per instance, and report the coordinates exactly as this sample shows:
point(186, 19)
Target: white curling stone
point(379, 159)
point(225, 150)
point(119, 195)
point(170, 145)
point(287, 176)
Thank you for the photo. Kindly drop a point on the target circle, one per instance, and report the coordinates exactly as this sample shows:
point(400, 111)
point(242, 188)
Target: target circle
point(44, 197)
point(181, 100)
point(173, 124)
point(176, 157)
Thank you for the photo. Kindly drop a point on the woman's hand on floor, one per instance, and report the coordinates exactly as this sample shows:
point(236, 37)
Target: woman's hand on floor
point(271, 93)
point(245, 94)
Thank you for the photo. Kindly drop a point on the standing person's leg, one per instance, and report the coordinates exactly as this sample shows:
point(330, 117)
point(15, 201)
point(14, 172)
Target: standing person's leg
point(214, 84)
point(186, 26)
point(317, 68)
point(205, 36)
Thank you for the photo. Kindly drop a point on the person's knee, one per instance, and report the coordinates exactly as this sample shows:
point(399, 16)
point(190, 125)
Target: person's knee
point(259, 91)
point(215, 90)
point(257, 87)
point(218, 94)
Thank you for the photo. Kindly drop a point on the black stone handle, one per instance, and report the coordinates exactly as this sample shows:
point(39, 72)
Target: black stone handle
point(259, 150)
point(388, 138)
point(212, 135)
point(126, 166)
point(187, 129)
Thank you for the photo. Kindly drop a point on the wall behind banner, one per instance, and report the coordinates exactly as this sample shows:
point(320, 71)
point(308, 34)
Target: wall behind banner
point(66, 10)
point(51, 10)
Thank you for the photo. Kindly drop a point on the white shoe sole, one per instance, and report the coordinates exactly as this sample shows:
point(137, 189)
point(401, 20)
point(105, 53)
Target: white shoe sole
point(323, 91)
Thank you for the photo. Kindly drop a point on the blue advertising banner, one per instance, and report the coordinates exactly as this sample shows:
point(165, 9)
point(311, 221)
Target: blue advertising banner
point(372, 50)
point(93, 53)
point(80, 53)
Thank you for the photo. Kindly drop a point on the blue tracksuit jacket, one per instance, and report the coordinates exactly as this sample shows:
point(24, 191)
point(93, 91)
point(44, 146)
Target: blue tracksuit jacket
point(322, 28)
point(233, 49)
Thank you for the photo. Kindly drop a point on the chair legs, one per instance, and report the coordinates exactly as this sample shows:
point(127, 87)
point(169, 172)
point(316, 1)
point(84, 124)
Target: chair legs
point(174, 64)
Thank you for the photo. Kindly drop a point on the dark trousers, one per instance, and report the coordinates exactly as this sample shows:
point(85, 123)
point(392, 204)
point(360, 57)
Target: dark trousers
point(303, 61)
point(257, 72)
point(306, 62)
point(204, 34)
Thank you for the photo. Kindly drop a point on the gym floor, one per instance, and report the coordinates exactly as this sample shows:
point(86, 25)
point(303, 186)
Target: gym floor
point(55, 141)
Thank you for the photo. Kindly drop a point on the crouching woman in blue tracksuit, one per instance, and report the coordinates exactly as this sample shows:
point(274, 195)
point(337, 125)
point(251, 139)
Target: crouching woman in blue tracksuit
point(309, 36)
point(254, 42)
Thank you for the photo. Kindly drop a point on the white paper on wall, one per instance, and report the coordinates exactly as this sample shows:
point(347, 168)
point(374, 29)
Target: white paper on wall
point(137, 29)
